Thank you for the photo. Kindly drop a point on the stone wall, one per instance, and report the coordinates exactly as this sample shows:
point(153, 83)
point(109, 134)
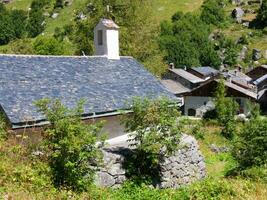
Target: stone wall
point(185, 166)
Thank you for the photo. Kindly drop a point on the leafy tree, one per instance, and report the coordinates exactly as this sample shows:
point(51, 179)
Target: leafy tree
point(35, 24)
point(7, 32)
point(226, 109)
point(250, 148)
point(155, 132)
point(71, 145)
point(48, 46)
point(262, 14)
point(180, 38)
point(19, 18)
point(212, 12)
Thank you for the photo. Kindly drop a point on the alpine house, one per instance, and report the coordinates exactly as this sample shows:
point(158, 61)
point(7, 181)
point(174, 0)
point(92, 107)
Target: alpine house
point(106, 81)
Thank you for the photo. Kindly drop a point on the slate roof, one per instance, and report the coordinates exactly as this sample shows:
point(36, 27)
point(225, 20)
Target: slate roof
point(186, 75)
point(174, 86)
point(206, 71)
point(259, 80)
point(105, 84)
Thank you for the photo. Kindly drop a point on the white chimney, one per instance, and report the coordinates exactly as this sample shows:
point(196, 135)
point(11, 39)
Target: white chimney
point(106, 39)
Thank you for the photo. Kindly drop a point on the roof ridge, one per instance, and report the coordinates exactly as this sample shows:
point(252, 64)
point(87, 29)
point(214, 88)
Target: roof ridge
point(58, 56)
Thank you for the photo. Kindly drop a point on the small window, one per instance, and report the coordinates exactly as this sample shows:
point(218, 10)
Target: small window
point(100, 37)
point(191, 112)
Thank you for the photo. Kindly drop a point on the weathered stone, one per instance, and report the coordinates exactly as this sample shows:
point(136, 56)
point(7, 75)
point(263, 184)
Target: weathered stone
point(116, 169)
point(55, 15)
point(183, 167)
point(104, 179)
point(238, 14)
point(120, 179)
point(256, 54)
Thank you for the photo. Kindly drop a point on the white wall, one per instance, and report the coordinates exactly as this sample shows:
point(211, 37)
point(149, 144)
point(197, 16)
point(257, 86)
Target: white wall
point(113, 44)
point(195, 102)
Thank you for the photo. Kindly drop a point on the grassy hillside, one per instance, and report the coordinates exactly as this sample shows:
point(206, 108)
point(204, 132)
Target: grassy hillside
point(164, 9)
point(24, 176)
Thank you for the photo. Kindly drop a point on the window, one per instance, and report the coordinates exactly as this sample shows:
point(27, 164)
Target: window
point(100, 37)
point(191, 112)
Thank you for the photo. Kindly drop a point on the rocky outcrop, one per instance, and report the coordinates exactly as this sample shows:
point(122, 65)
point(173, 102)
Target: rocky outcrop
point(185, 166)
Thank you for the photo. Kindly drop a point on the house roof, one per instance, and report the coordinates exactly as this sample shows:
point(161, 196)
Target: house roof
point(186, 75)
point(240, 89)
point(105, 84)
point(205, 71)
point(109, 23)
point(174, 86)
point(259, 80)
point(209, 91)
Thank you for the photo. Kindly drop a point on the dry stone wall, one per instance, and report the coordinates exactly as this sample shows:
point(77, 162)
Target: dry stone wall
point(185, 166)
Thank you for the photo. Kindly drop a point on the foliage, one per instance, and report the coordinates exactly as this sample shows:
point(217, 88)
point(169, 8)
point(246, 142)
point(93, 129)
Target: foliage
point(36, 23)
point(197, 132)
point(7, 31)
point(155, 132)
point(72, 148)
point(48, 46)
point(212, 12)
point(262, 14)
point(206, 189)
point(21, 46)
point(19, 18)
point(231, 50)
point(226, 109)
point(180, 37)
point(3, 127)
point(250, 148)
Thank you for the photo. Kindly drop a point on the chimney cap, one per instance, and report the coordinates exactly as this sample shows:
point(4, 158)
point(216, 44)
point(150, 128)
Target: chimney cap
point(108, 23)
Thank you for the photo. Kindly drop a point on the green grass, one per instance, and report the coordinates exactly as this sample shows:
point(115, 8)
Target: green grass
point(19, 4)
point(23, 177)
point(164, 9)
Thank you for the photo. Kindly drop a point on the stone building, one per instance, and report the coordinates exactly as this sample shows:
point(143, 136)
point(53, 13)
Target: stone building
point(107, 82)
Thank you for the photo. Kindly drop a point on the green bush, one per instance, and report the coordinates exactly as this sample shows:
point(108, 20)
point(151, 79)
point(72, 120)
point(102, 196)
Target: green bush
point(250, 148)
point(71, 145)
point(213, 12)
point(180, 37)
point(3, 127)
point(48, 46)
point(262, 14)
point(226, 109)
point(155, 132)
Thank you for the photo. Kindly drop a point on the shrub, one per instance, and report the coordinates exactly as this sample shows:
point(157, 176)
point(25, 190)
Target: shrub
point(154, 133)
point(250, 148)
point(3, 127)
point(262, 14)
point(180, 38)
point(71, 144)
point(212, 12)
point(48, 46)
point(226, 109)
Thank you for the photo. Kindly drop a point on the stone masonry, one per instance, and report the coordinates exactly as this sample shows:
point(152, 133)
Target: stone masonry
point(185, 166)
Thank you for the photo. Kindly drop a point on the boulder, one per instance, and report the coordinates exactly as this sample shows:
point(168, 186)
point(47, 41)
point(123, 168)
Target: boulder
point(54, 15)
point(256, 54)
point(243, 53)
point(104, 179)
point(238, 14)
